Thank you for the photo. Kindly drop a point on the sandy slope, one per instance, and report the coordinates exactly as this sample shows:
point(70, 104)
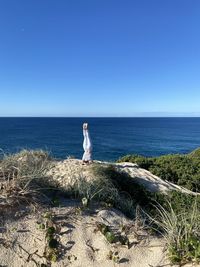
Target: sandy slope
point(68, 171)
point(80, 244)
point(78, 238)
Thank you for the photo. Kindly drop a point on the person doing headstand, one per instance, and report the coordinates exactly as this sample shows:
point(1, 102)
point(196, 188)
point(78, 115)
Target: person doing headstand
point(87, 145)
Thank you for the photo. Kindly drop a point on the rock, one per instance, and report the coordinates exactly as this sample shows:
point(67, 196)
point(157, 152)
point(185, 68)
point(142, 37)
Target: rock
point(112, 217)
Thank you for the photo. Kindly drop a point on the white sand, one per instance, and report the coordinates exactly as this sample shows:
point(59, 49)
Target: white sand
point(76, 232)
point(78, 238)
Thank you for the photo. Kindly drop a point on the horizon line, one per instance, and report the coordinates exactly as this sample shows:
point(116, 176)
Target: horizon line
point(183, 116)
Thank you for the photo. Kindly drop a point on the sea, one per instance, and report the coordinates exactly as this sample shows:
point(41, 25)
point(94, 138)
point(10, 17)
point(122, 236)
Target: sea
point(112, 138)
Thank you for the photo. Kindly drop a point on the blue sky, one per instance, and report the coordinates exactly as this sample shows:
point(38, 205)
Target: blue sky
point(99, 57)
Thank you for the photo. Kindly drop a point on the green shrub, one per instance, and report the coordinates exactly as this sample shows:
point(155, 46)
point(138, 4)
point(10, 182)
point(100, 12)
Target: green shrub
point(183, 170)
point(180, 202)
point(142, 162)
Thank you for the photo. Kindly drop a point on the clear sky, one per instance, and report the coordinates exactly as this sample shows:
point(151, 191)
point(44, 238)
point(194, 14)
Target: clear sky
point(99, 57)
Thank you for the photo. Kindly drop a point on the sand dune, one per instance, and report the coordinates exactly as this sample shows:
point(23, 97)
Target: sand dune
point(81, 244)
point(66, 172)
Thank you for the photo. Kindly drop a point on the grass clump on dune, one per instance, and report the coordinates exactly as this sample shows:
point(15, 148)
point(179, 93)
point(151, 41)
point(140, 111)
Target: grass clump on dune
point(100, 189)
point(103, 188)
point(125, 184)
point(25, 164)
point(114, 188)
point(181, 231)
point(23, 177)
point(176, 217)
point(181, 169)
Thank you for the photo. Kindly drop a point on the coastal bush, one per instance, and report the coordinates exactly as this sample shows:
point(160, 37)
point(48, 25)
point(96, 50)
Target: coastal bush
point(183, 170)
point(180, 202)
point(141, 161)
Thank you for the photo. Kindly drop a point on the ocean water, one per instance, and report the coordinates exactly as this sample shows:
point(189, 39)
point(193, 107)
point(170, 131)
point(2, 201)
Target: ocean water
point(111, 137)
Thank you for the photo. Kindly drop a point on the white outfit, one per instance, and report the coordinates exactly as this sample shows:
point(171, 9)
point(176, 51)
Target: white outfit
point(87, 146)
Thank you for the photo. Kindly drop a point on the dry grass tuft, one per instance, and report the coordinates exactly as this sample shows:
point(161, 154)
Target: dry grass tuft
point(23, 177)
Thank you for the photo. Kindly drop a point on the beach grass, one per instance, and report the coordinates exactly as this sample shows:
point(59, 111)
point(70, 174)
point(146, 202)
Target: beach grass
point(23, 177)
point(181, 231)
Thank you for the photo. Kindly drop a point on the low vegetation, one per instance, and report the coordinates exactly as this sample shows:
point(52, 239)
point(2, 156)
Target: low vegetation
point(52, 247)
point(181, 231)
point(181, 169)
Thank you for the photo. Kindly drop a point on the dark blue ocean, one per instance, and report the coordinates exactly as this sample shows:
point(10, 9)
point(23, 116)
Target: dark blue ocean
point(112, 137)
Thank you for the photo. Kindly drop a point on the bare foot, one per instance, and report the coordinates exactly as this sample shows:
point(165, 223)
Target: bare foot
point(85, 126)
